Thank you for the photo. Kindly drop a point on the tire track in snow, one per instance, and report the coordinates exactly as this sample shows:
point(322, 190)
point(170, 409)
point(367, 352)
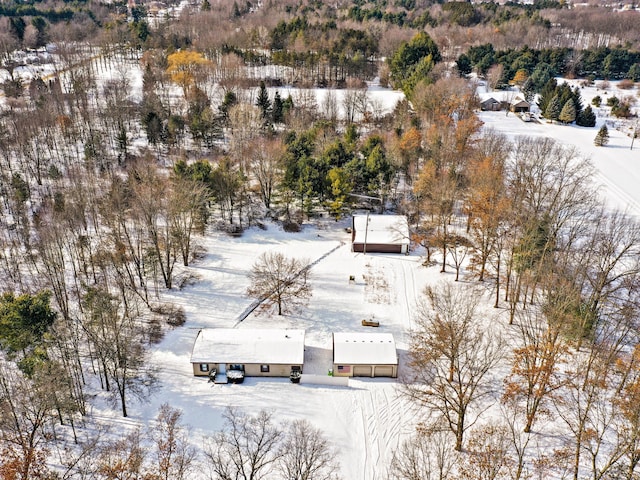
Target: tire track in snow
point(367, 443)
point(409, 285)
point(617, 192)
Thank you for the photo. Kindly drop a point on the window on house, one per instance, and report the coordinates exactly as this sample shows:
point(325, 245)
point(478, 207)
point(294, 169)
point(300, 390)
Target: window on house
point(264, 368)
point(204, 367)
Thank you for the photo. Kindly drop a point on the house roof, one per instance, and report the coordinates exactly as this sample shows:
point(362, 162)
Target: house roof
point(519, 101)
point(257, 346)
point(364, 349)
point(382, 229)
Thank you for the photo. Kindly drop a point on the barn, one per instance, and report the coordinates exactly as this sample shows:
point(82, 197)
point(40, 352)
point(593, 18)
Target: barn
point(258, 352)
point(380, 233)
point(364, 355)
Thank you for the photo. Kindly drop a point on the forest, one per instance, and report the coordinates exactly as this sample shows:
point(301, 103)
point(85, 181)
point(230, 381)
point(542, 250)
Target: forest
point(105, 196)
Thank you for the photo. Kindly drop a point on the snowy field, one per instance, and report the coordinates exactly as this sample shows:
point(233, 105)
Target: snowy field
point(617, 166)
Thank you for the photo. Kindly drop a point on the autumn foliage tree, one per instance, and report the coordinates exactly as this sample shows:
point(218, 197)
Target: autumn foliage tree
point(452, 354)
point(186, 67)
point(534, 373)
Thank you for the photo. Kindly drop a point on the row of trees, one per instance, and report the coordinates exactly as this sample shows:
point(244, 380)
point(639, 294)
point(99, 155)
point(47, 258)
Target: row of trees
point(247, 447)
point(541, 65)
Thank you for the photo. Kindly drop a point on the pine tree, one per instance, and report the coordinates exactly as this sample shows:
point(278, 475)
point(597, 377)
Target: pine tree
point(230, 99)
point(278, 109)
point(263, 102)
point(205, 6)
point(568, 113)
point(586, 118)
point(602, 138)
point(553, 109)
point(546, 94)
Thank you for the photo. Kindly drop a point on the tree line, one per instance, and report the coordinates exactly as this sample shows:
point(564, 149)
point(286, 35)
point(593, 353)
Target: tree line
point(594, 63)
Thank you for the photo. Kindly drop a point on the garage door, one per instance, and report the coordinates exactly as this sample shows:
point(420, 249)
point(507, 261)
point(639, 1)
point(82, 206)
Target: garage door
point(362, 371)
point(384, 371)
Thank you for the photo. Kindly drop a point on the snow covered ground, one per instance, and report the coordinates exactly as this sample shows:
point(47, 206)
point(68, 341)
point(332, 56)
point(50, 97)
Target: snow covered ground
point(364, 421)
point(617, 165)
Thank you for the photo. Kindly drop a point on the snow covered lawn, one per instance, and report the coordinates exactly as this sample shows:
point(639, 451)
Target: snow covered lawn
point(364, 421)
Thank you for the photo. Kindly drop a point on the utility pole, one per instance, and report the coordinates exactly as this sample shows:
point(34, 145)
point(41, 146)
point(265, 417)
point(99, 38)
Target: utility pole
point(366, 231)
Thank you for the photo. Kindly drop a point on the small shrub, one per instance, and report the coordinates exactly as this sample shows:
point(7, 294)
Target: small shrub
point(232, 229)
point(622, 110)
point(154, 331)
point(626, 84)
point(613, 101)
point(177, 317)
point(604, 85)
point(596, 101)
point(198, 252)
point(290, 226)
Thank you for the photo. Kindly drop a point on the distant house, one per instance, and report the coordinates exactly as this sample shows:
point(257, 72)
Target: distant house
point(519, 105)
point(364, 355)
point(259, 352)
point(490, 104)
point(380, 233)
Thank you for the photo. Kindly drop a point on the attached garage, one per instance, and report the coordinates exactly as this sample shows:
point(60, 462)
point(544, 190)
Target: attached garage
point(384, 371)
point(362, 371)
point(380, 234)
point(364, 355)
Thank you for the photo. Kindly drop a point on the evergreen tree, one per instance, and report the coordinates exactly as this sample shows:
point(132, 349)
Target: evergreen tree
point(634, 72)
point(464, 65)
point(528, 90)
point(277, 113)
point(602, 138)
point(410, 56)
point(205, 6)
point(586, 118)
point(552, 111)
point(17, 27)
point(229, 100)
point(263, 102)
point(546, 94)
point(568, 113)
point(287, 105)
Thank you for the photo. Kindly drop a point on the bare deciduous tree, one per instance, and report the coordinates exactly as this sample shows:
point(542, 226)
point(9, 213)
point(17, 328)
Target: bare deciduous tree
point(280, 280)
point(306, 454)
point(247, 449)
point(425, 456)
point(174, 454)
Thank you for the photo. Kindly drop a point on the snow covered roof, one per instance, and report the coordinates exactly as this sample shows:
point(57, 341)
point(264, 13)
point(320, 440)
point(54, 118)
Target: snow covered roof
point(263, 346)
point(384, 229)
point(364, 349)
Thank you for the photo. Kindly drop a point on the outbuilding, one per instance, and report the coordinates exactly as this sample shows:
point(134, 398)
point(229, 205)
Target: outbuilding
point(380, 233)
point(490, 104)
point(257, 352)
point(364, 355)
point(520, 105)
